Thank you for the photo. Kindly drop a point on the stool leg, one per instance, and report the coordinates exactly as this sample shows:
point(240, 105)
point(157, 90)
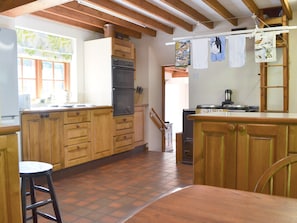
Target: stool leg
point(33, 199)
point(54, 199)
point(23, 194)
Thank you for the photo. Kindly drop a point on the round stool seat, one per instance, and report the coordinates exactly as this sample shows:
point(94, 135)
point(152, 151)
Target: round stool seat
point(29, 171)
point(31, 167)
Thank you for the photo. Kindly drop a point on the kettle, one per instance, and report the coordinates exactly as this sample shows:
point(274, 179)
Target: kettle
point(228, 100)
point(228, 93)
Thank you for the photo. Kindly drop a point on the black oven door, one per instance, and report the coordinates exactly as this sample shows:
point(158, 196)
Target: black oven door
point(122, 74)
point(123, 101)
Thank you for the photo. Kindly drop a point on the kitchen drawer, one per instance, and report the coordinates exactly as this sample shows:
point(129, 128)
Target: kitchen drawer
point(123, 49)
point(77, 133)
point(123, 124)
point(123, 142)
point(77, 154)
point(76, 116)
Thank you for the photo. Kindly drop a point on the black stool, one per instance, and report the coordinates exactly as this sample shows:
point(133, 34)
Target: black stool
point(29, 170)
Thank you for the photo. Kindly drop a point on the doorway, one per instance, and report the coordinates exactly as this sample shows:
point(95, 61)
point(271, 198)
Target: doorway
point(175, 98)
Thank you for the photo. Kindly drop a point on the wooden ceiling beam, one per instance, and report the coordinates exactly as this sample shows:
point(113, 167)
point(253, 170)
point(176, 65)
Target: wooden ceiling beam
point(131, 15)
point(68, 21)
point(77, 8)
point(14, 8)
point(251, 5)
point(91, 21)
point(220, 9)
point(186, 9)
point(9, 4)
point(149, 7)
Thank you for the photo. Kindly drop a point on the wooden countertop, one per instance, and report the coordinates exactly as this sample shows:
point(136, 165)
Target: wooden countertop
point(256, 117)
point(9, 128)
point(200, 203)
point(60, 109)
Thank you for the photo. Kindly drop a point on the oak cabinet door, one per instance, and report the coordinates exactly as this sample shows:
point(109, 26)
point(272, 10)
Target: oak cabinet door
point(215, 154)
point(102, 133)
point(259, 146)
point(139, 126)
point(42, 138)
point(10, 199)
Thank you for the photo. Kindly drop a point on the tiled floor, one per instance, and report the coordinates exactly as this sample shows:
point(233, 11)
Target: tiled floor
point(112, 192)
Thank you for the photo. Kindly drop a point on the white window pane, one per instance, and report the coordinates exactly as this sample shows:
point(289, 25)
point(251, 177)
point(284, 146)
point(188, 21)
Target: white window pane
point(28, 68)
point(59, 71)
point(47, 70)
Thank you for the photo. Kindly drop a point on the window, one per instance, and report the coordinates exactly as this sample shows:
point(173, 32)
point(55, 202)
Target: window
point(44, 66)
point(43, 79)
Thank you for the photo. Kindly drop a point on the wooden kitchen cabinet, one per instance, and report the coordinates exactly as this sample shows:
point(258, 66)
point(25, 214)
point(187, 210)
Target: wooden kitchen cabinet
point(123, 49)
point(234, 149)
point(215, 154)
point(77, 137)
point(42, 138)
point(234, 155)
point(98, 67)
point(139, 125)
point(123, 139)
point(102, 133)
point(10, 199)
point(258, 147)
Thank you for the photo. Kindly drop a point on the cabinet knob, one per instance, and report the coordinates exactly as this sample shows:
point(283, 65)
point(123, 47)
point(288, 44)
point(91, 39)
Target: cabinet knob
point(77, 113)
point(241, 128)
point(231, 127)
point(77, 126)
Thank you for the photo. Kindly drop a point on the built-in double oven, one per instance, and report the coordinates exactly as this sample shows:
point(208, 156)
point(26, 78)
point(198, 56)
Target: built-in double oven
point(123, 86)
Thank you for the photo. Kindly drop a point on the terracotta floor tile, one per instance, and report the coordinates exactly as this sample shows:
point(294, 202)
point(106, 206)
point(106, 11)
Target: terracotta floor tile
point(112, 192)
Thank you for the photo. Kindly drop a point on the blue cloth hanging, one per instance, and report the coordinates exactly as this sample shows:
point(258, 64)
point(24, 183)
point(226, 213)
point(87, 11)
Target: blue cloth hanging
point(217, 48)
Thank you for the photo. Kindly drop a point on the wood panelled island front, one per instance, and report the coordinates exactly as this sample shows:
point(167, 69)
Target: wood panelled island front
point(10, 193)
point(232, 149)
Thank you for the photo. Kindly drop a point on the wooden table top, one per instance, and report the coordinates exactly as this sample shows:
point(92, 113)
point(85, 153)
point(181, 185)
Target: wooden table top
point(207, 204)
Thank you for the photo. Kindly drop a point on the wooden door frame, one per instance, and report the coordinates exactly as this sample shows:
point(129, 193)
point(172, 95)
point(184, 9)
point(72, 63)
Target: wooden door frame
point(175, 74)
point(163, 105)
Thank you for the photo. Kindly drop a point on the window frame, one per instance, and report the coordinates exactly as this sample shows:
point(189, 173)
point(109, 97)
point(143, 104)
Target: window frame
point(38, 75)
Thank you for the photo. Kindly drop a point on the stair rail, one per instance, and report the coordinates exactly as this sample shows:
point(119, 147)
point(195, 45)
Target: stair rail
point(157, 120)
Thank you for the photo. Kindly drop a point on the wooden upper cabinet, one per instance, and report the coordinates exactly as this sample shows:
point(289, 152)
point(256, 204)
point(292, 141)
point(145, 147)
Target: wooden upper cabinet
point(259, 146)
point(123, 49)
point(215, 154)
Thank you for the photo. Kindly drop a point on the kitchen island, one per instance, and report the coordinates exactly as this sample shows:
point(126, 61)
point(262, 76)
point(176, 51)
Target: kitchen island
point(232, 149)
point(10, 200)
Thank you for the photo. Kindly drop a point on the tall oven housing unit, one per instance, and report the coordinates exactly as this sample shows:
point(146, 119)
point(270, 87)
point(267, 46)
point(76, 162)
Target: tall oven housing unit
point(109, 76)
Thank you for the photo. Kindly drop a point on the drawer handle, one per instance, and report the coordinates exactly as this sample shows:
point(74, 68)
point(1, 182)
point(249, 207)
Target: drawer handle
point(77, 126)
point(44, 115)
point(77, 113)
point(78, 148)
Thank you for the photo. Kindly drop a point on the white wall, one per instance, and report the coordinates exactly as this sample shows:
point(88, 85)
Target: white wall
point(207, 86)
